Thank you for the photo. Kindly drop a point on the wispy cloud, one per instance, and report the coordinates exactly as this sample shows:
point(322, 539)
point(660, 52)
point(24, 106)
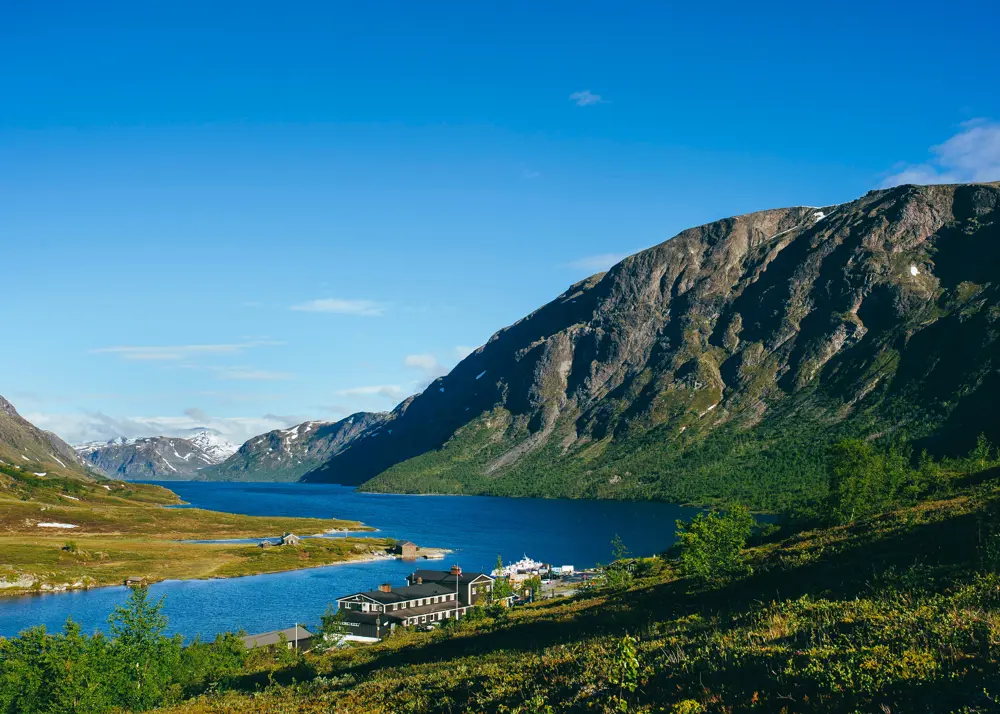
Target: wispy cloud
point(971, 155)
point(428, 366)
point(253, 375)
point(179, 352)
point(425, 362)
point(339, 306)
point(96, 426)
point(391, 391)
point(586, 98)
point(463, 351)
point(596, 263)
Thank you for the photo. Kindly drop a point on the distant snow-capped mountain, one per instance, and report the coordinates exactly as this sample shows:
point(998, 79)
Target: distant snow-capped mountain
point(157, 457)
point(287, 454)
point(213, 444)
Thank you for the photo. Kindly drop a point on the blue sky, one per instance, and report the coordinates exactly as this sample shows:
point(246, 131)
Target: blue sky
point(248, 215)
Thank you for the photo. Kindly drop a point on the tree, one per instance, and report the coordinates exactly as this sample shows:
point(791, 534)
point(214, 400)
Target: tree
point(534, 584)
point(145, 658)
point(618, 548)
point(981, 454)
point(625, 672)
point(711, 545)
point(618, 575)
point(333, 626)
point(864, 481)
point(501, 585)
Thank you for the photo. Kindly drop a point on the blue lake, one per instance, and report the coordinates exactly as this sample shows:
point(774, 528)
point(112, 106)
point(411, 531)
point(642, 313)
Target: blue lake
point(477, 528)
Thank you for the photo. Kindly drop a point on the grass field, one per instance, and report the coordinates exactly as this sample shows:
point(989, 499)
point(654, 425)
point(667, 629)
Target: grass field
point(125, 529)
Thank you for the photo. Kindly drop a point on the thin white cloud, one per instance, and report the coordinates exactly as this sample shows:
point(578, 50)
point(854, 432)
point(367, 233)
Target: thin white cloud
point(178, 352)
point(585, 98)
point(428, 366)
point(426, 362)
point(971, 155)
point(254, 375)
point(391, 391)
point(463, 351)
point(596, 263)
point(338, 306)
point(78, 428)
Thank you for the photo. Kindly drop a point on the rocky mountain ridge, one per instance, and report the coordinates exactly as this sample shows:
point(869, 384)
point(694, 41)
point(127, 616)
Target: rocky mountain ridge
point(809, 321)
point(287, 454)
point(157, 457)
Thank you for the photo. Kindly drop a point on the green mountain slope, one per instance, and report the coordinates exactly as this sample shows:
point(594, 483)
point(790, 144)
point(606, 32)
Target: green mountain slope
point(27, 447)
point(722, 363)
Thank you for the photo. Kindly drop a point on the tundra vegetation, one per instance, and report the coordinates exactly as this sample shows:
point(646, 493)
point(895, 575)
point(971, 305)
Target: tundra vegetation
point(121, 529)
point(887, 609)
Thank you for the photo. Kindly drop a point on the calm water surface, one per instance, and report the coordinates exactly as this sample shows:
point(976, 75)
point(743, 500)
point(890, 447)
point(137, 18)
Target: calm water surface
point(477, 528)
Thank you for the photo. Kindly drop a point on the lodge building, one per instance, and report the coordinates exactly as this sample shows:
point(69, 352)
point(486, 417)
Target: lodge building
point(429, 597)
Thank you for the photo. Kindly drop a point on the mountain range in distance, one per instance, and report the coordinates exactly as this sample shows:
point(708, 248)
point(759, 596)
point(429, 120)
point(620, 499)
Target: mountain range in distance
point(724, 358)
point(157, 457)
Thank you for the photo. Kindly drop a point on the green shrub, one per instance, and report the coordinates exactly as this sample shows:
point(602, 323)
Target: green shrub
point(711, 545)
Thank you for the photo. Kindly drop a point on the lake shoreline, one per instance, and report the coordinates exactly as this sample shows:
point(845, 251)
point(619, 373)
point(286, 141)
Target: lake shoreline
point(475, 529)
point(71, 588)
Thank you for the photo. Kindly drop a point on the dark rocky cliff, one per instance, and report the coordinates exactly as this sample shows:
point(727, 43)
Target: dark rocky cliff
point(878, 314)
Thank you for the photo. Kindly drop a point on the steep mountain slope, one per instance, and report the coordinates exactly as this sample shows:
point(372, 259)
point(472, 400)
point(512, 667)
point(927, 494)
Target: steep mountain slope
point(156, 457)
point(287, 454)
point(26, 446)
point(673, 374)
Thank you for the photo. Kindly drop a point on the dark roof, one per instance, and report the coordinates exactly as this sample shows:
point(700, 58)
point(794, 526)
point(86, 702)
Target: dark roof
point(272, 638)
point(368, 618)
point(406, 542)
point(410, 592)
point(444, 577)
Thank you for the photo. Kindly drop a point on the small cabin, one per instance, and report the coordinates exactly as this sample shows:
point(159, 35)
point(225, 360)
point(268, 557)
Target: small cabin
point(296, 638)
point(290, 539)
point(406, 549)
point(135, 581)
point(265, 543)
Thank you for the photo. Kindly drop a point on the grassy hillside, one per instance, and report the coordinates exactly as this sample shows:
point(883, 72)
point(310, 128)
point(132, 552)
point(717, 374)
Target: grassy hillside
point(896, 613)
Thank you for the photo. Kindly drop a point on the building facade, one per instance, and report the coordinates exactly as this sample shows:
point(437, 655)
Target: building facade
point(430, 597)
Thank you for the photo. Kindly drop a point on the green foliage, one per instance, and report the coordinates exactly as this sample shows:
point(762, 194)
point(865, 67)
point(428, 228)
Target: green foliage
point(332, 628)
point(136, 669)
point(501, 585)
point(864, 480)
point(619, 574)
point(146, 659)
point(625, 673)
point(711, 545)
point(534, 584)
